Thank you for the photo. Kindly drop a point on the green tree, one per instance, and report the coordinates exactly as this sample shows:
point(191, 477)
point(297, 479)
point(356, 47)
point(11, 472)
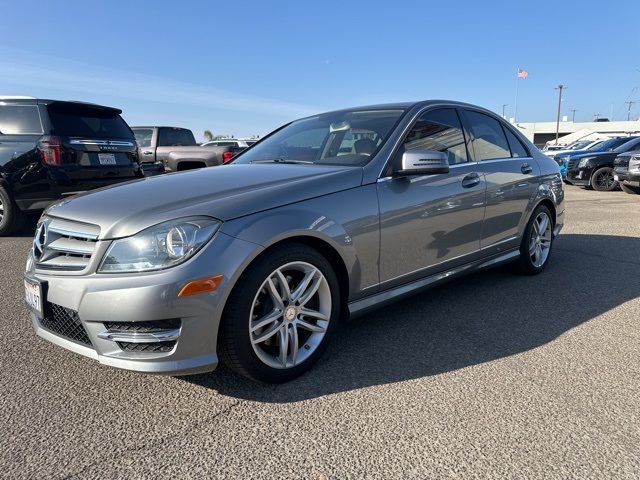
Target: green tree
point(208, 135)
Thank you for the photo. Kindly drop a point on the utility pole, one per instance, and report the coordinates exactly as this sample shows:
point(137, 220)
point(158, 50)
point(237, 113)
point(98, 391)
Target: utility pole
point(503, 106)
point(573, 114)
point(596, 116)
point(560, 88)
point(629, 103)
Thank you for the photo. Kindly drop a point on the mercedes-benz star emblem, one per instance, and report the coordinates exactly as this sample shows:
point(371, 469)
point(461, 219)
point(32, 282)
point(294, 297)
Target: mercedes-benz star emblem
point(40, 240)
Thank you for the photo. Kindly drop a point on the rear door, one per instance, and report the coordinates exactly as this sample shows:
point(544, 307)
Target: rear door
point(511, 175)
point(429, 223)
point(97, 146)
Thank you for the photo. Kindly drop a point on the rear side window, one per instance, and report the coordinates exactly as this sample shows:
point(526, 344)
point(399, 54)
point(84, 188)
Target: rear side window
point(143, 136)
point(20, 120)
point(227, 144)
point(80, 121)
point(489, 141)
point(175, 137)
point(517, 149)
point(439, 130)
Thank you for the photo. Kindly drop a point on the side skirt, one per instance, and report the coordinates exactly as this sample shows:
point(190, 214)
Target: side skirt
point(364, 305)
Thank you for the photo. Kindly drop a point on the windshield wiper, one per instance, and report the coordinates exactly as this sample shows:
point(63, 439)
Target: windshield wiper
point(282, 160)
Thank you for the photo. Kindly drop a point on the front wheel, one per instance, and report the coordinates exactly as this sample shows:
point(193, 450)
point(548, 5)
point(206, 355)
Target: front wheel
point(536, 242)
point(280, 315)
point(602, 180)
point(628, 189)
point(11, 218)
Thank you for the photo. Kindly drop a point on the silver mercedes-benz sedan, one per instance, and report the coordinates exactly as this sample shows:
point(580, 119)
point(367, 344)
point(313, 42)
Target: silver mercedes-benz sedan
point(256, 262)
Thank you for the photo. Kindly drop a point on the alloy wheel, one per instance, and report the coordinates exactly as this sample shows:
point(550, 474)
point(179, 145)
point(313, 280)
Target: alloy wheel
point(540, 241)
point(290, 315)
point(605, 180)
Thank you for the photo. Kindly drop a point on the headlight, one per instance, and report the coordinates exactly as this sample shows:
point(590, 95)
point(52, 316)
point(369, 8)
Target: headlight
point(634, 163)
point(161, 246)
point(584, 161)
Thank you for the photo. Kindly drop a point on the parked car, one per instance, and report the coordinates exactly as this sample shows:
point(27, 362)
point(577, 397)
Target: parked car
point(595, 170)
point(52, 149)
point(550, 151)
point(606, 146)
point(174, 149)
point(240, 143)
point(626, 171)
point(255, 263)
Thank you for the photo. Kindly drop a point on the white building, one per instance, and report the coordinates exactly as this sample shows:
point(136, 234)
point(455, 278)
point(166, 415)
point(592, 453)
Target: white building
point(541, 133)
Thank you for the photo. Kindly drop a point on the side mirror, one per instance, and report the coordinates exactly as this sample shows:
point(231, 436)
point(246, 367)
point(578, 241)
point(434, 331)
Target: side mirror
point(423, 162)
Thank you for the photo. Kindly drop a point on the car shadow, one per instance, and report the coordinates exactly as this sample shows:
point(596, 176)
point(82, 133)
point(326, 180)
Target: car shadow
point(479, 318)
point(28, 229)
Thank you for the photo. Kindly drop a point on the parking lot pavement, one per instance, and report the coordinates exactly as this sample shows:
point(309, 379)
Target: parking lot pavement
point(494, 375)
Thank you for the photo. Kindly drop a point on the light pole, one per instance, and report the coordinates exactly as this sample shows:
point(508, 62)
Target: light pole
point(573, 115)
point(503, 107)
point(560, 88)
point(629, 103)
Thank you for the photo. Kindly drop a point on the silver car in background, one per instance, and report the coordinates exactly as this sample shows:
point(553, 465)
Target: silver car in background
point(255, 262)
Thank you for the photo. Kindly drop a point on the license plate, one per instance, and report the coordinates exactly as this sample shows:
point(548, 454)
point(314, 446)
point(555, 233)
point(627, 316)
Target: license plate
point(616, 178)
point(33, 296)
point(107, 158)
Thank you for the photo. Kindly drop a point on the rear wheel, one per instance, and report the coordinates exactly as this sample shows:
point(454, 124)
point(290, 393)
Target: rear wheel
point(602, 180)
point(628, 189)
point(536, 242)
point(280, 315)
point(11, 218)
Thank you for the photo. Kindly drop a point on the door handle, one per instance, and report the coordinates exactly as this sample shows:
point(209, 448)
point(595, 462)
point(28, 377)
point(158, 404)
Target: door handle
point(147, 152)
point(471, 180)
point(526, 168)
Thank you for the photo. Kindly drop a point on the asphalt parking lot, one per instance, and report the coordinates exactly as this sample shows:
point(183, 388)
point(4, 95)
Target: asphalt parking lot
point(492, 376)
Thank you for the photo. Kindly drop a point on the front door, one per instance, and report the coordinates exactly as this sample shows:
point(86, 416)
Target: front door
point(430, 223)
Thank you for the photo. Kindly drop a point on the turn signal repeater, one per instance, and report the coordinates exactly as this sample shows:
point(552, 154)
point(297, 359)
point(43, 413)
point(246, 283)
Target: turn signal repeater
point(202, 285)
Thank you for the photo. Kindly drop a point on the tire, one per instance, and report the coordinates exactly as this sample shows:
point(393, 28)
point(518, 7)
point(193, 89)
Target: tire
point(11, 218)
point(628, 189)
point(527, 263)
point(602, 180)
point(253, 302)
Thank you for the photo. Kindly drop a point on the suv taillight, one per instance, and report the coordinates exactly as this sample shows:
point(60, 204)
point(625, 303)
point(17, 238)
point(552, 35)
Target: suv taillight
point(227, 157)
point(50, 152)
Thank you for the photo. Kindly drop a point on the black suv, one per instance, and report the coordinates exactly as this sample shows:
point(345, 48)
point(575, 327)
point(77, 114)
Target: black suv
point(52, 149)
point(595, 169)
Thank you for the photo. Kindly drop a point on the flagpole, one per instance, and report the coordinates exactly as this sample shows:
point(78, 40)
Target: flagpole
point(515, 106)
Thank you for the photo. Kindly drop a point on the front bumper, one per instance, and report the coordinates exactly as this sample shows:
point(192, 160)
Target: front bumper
point(580, 176)
point(626, 177)
point(149, 297)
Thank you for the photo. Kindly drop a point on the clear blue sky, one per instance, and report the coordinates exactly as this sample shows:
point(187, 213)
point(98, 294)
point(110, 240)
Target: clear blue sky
point(244, 68)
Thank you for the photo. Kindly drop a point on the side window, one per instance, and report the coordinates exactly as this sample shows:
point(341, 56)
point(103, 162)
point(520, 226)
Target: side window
point(517, 149)
point(439, 130)
point(20, 120)
point(489, 141)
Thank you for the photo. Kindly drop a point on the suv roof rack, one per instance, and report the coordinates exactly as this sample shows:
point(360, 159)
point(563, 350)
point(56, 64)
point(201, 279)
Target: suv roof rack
point(16, 97)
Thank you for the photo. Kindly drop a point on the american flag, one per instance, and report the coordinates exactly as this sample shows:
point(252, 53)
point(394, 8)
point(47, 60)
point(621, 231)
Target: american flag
point(522, 73)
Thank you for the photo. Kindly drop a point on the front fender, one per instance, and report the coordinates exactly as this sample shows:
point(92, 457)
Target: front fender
point(352, 232)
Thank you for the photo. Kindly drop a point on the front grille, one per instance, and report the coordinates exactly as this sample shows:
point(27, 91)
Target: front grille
point(571, 164)
point(66, 323)
point(143, 327)
point(155, 347)
point(64, 245)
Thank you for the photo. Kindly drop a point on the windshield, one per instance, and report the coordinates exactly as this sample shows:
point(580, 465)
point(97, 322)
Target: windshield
point(579, 145)
point(610, 144)
point(341, 138)
point(627, 146)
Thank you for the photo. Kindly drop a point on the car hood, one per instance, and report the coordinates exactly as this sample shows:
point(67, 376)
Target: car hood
point(226, 192)
point(599, 155)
